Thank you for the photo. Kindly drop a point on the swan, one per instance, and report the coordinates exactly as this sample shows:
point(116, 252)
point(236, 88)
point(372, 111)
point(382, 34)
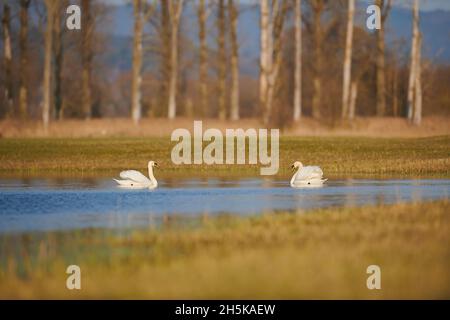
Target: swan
point(310, 176)
point(136, 180)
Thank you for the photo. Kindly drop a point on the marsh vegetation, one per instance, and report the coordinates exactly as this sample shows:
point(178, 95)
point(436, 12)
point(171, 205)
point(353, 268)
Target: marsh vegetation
point(321, 254)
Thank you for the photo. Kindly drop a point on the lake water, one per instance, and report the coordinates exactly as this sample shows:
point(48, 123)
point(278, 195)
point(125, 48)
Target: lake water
point(67, 203)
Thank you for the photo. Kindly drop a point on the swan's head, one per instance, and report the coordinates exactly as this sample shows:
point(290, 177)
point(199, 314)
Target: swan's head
point(152, 164)
point(297, 165)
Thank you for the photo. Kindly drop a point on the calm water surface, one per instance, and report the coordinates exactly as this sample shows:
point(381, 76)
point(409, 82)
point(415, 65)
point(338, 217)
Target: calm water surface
point(59, 203)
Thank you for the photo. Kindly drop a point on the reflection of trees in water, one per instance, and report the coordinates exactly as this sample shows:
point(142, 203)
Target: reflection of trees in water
point(173, 182)
point(62, 181)
point(224, 182)
point(380, 199)
point(26, 181)
point(199, 182)
point(57, 182)
point(350, 197)
point(90, 182)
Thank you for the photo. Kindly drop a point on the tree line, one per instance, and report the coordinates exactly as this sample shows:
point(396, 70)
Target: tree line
point(314, 61)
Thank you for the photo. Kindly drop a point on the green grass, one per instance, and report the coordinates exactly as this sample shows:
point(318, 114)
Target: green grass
point(319, 254)
point(337, 156)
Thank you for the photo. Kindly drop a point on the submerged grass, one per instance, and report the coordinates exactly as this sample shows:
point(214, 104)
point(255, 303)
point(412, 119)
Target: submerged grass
point(318, 254)
point(336, 155)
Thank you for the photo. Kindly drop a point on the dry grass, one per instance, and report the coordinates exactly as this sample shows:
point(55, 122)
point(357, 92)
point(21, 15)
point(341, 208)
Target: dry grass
point(336, 155)
point(320, 254)
point(120, 127)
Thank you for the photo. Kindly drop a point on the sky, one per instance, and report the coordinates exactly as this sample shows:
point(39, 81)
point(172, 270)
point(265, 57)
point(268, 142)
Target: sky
point(426, 5)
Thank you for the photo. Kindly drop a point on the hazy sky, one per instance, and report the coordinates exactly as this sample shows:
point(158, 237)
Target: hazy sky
point(425, 4)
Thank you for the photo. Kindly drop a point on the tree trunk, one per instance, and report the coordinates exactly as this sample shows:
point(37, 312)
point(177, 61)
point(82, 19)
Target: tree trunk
point(136, 80)
point(222, 57)
point(50, 6)
point(418, 84)
point(203, 57)
point(317, 70)
point(352, 100)
point(58, 57)
point(298, 61)
point(165, 66)
point(233, 13)
point(87, 28)
point(395, 87)
point(264, 52)
point(23, 45)
point(7, 52)
point(380, 62)
point(348, 61)
point(381, 91)
point(413, 67)
point(175, 8)
point(276, 25)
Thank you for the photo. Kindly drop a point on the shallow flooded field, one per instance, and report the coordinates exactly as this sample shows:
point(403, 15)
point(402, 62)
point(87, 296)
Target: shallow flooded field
point(44, 204)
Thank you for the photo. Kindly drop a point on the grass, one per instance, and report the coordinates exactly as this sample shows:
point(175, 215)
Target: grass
point(319, 254)
point(336, 155)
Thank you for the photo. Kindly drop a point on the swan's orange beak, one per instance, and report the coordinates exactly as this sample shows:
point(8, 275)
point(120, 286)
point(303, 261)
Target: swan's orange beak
point(293, 167)
point(156, 164)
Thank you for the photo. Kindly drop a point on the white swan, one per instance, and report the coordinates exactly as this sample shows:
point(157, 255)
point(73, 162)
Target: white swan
point(136, 180)
point(310, 176)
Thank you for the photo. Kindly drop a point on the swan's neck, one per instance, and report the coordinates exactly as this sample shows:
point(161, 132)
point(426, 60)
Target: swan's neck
point(151, 176)
point(294, 176)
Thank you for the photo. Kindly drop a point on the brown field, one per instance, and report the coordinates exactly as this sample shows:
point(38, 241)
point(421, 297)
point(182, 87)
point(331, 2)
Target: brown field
point(124, 127)
point(315, 254)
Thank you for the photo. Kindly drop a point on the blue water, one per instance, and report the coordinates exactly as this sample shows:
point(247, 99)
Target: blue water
point(57, 204)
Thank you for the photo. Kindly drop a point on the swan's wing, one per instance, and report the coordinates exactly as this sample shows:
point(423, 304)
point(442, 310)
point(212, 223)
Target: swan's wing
point(134, 175)
point(310, 172)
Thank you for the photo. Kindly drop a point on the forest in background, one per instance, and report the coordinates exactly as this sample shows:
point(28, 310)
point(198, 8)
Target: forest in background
point(314, 61)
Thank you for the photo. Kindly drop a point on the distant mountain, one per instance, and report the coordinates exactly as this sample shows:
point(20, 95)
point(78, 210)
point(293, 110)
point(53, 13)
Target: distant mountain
point(435, 26)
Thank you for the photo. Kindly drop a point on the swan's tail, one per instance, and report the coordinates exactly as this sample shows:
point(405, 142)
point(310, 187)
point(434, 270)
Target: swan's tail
point(122, 182)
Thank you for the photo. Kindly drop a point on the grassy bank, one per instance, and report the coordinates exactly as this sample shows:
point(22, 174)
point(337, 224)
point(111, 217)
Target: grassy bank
point(320, 254)
point(336, 155)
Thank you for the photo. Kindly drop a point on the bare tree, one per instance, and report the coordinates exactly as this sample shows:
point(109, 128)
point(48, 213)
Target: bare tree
point(413, 67)
point(233, 13)
point(222, 59)
point(347, 74)
point(142, 12)
point(175, 8)
point(136, 79)
point(265, 37)
point(298, 61)
point(23, 45)
point(202, 14)
point(164, 29)
point(51, 7)
point(319, 31)
point(86, 57)
point(385, 7)
point(272, 58)
point(418, 84)
point(58, 61)
point(352, 100)
point(7, 57)
point(395, 76)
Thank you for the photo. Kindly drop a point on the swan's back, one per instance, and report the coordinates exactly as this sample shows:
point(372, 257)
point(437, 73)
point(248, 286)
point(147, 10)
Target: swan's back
point(134, 175)
point(309, 173)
